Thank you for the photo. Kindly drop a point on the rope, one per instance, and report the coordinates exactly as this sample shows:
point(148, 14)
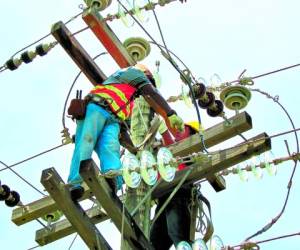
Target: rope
point(172, 195)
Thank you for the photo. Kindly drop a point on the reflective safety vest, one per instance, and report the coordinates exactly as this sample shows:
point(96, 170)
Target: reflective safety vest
point(119, 97)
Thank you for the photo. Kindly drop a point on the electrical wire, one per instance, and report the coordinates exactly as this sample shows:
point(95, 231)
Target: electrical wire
point(275, 219)
point(72, 242)
point(71, 88)
point(23, 179)
point(31, 157)
point(177, 57)
point(250, 141)
point(241, 246)
point(40, 39)
point(180, 72)
point(264, 74)
point(34, 247)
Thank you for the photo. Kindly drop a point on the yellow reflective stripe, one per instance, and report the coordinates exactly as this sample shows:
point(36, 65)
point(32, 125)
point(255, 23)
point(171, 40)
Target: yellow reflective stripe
point(121, 95)
point(118, 92)
point(114, 105)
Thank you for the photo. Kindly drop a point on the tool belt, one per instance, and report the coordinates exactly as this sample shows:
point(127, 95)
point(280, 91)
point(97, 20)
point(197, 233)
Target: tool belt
point(77, 108)
point(101, 101)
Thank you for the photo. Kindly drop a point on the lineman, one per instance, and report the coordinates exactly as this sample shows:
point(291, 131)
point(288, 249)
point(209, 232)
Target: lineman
point(173, 224)
point(109, 104)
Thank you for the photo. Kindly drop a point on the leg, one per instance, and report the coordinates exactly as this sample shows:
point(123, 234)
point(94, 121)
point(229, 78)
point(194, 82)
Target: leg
point(87, 133)
point(159, 234)
point(108, 146)
point(178, 219)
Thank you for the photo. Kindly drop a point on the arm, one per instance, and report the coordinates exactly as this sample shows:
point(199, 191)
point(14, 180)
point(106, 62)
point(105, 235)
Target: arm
point(159, 104)
point(148, 91)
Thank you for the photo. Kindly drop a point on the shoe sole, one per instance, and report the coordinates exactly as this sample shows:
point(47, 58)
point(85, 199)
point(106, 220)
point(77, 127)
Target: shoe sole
point(111, 174)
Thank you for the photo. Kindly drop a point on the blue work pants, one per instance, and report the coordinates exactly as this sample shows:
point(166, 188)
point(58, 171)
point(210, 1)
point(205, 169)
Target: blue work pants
point(98, 131)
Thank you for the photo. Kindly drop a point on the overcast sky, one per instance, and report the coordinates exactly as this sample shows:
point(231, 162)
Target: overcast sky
point(223, 37)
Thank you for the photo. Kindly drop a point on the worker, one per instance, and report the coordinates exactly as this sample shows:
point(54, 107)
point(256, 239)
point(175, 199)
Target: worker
point(173, 224)
point(108, 105)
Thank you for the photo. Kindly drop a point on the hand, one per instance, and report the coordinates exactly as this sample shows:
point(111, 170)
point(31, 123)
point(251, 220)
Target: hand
point(176, 122)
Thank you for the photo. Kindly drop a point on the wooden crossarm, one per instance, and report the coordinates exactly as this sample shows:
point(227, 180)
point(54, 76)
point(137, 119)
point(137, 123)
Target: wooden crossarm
point(72, 210)
point(64, 228)
point(107, 37)
point(219, 161)
point(77, 53)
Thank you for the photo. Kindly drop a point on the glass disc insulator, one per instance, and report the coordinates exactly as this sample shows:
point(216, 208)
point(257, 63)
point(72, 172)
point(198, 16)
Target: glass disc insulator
point(148, 168)
point(216, 243)
point(183, 245)
point(199, 244)
point(165, 168)
point(130, 173)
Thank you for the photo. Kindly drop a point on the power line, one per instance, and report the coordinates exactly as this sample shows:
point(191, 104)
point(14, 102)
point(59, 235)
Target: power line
point(3, 67)
point(264, 74)
point(23, 179)
point(245, 244)
point(30, 158)
point(276, 218)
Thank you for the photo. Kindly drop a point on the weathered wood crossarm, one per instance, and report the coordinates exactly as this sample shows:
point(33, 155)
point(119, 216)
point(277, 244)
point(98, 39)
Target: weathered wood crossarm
point(72, 210)
point(107, 37)
point(77, 53)
point(64, 228)
point(219, 161)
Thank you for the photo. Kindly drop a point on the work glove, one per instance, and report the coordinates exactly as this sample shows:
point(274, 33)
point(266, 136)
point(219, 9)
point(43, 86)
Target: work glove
point(162, 127)
point(176, 122)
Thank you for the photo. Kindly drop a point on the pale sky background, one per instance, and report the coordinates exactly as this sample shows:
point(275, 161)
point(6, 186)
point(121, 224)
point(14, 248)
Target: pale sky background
point(223, 37)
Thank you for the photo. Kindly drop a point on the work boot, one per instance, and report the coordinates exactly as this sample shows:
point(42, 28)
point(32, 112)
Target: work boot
point(111, 173)
point(76, 192)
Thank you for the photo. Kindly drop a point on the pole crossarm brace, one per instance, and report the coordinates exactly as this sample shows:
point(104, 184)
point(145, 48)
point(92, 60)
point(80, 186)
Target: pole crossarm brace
point(218, 161)
point(107, 37)
point(72, 210)
point(89, 172)
point(212, 136)
point(77, 53)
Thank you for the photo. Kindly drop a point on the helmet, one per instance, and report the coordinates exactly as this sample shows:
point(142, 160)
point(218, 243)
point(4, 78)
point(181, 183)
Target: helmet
point(146, 71)
point(196, 126)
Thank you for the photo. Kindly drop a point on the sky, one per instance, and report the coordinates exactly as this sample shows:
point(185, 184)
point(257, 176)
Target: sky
point(210, 37)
